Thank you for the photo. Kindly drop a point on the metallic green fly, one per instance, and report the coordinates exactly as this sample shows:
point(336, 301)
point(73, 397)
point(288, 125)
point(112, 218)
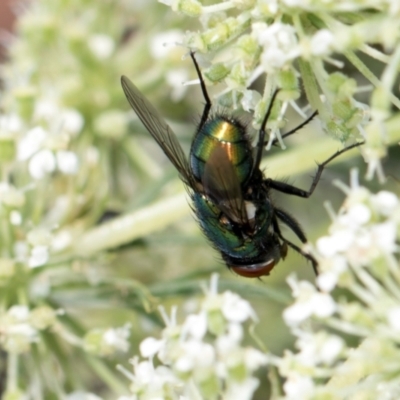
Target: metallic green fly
point(230, 195)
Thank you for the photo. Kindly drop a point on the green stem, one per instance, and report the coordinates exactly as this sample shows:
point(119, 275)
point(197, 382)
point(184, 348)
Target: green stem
point(311, 87)
point(132, 226)
point(369, 75)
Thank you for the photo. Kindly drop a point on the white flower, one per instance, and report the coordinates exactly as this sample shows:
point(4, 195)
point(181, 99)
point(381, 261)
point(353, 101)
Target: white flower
point(318, 348)
point(175, 78)
point(195, 354)
point(20, 313)
point(235, 309)
point(150, 347)
point(279, 42)
point(385, 202)
point(101, 45)
point(332, 268)
point(254, 359)
point(162, 43)
point(67, 162)
point(243, 390)
point(322, 42)
point(195, 325)
point(358, 214)
point(308, 302)
point(298, 387)
point(15, 218)
point(31, 143)
point(117, 338)
point(39, 256)
point(41, 164)
point(72, 120)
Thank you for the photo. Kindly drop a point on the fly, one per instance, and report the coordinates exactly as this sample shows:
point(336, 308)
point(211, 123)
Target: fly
point(230, 194)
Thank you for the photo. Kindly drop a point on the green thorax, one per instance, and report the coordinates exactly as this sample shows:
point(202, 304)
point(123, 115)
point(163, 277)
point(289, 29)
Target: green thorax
point(225, 132)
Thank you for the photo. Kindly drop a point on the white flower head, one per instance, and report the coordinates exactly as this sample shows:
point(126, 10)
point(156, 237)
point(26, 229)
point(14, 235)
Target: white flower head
point(236, 309)
point(309, 302)
point(279, 42)
point(117, 338)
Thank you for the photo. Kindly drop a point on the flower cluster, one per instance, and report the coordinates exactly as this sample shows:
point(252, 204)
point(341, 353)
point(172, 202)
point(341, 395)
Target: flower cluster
point(349, 345)
point(61, 109)
point(202, 358)
point(19, 327)
point(289, 40)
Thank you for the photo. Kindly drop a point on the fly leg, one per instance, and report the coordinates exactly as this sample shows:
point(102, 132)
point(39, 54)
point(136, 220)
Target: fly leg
point(207, 106)
point(289, 221)
point(289, 189)
point(294, 130)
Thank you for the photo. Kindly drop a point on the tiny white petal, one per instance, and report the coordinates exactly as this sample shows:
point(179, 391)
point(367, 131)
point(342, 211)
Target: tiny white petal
point(326, 246)
point(235, 309)
point(41, 164)
point(327, 281)
point(359, 214)
point(150, 346)
point(21, 313)
point(15, 218)
point(162, 43)
point(297, 313)
point(298, 387)
point(321, 42)
point(195, 325)
point(67, 162)
point(72, 120)
point(31, 143)
point(331, 349)
point(323, 305)
point(385, 236)
point(393, 317)
point(39, 256)
point(385, 202)
point(243, 390)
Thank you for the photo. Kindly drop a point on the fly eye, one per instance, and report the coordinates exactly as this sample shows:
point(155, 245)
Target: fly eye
point(254, 270)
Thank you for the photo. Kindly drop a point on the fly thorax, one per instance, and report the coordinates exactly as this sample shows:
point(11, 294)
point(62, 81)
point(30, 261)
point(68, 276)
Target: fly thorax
point(228, 134)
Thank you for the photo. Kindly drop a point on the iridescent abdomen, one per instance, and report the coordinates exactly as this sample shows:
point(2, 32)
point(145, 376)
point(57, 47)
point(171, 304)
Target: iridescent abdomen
point(229, 134)
point(229, 241)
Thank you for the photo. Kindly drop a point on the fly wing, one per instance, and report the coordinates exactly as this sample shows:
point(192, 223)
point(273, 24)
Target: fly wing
point(222, 185)
point(158, 128)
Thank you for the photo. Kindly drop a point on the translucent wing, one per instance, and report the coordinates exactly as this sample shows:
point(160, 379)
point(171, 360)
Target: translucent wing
point(158, 128)
point(222, 185)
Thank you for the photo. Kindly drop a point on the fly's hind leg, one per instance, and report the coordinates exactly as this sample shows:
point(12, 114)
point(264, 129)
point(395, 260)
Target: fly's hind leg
point(289, 221)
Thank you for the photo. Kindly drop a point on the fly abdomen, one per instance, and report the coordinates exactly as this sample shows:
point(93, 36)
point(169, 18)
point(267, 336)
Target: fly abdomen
point(228, 134)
